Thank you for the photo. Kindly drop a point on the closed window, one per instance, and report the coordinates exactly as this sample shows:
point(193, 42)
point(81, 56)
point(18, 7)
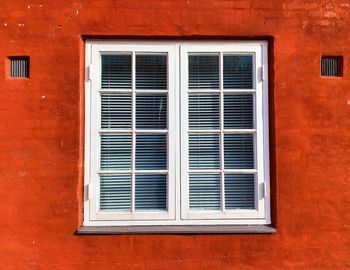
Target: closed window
point(176, 134)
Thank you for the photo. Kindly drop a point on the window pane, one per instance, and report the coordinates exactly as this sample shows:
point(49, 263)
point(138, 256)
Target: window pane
point(151, 111)
point(238, 71)
point(150, 192)
point(115, 192)
point(203, 71)
point(115, 111)
point(116, 71)
point(205, 191)
point(204, 151)
point(151, 152)
point(115, 152)
point(239, 151)
point(151, 71)
point(238, 111)
point(239, 191)
point(204, 111)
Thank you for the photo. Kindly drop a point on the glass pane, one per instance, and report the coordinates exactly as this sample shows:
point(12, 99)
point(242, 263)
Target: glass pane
point(238, 111)
point(205, 191)
point(238, 71)
point(150, 192)
point(239, 191)
point(115, 152)
point(151, 111)
point(115, 192)
point(116, 71)
point(151, 152)
point(203, 71)
point(204, 151)
point(115, 111)
point(204, 111)
point(239, 151)
point(151, 71)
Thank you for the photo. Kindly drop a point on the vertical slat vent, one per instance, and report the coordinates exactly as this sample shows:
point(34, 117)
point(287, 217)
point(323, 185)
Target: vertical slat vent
point(239, 191)
point(331, 66)
point(205, 192)
point(150, 192)
point(204, 71)
point(19, 66)
point(115, 192)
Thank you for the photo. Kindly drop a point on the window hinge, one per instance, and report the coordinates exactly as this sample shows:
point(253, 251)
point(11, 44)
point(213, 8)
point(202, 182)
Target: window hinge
point(89, 72)
point(88, 191)
point(265, 190)
point(262, 69)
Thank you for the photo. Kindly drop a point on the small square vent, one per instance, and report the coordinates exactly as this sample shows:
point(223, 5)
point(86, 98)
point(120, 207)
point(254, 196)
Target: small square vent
point(19, 66)
point(332, 66)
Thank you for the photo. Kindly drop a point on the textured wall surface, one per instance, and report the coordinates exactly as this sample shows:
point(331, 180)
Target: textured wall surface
point(41, 134)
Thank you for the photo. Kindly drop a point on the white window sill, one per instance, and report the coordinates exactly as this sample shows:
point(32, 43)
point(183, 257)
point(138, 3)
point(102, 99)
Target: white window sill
point(194, 229)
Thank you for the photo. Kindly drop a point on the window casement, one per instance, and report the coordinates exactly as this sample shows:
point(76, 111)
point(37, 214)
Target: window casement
point(176, 133)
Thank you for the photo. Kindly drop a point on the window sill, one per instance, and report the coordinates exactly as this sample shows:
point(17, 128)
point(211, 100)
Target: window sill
point(194, 229)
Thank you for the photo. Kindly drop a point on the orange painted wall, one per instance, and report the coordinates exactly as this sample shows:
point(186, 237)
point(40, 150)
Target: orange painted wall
point(41, 134)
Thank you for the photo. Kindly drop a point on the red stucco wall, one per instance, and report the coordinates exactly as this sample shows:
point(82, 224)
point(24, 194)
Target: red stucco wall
point(41, 134)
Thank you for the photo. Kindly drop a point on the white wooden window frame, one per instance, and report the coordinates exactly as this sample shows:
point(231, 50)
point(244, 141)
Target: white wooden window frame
point(178, 212)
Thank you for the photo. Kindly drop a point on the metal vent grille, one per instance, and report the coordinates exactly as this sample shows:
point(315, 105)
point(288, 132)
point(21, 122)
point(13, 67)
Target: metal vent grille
point(19, 67)
point(331, 66)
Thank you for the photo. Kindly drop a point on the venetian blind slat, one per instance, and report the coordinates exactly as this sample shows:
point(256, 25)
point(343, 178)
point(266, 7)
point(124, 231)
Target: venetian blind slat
point(115, 192)
point(151, 152)
point(116, 111)
point(150, 192)
point(205, 191)
point(116, 71)
point(203, 71)
point(204, 111)
point(238, 71)
point(115, 152)
point(239, 151)
point(238, 111)
point(151, 111)
point(151, 71)
point(239, 191)
point(204, 151)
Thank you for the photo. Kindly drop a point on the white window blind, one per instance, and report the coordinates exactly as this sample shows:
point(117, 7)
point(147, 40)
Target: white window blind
point(151, 71)
point(176, 134)
point(116, 71)
point(203, 71)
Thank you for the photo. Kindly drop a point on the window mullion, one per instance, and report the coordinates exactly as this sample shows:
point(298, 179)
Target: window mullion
point(222, 133)
point(133, 158)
